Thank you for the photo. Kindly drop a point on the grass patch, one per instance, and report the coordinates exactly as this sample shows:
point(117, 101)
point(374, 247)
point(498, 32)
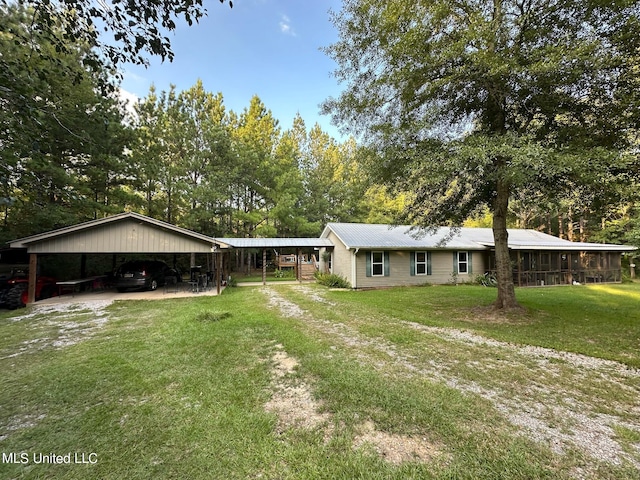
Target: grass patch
point(212, 316)
point(177, 388)
point(277, 276)
point(600, 321)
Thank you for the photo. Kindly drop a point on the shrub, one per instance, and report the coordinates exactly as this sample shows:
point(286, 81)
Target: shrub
point(332, 280)
point(288, 273)
point(488, 280)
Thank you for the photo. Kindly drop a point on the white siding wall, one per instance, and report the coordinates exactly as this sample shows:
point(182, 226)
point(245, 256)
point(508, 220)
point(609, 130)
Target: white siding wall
point(341, 260)
point(400, 269)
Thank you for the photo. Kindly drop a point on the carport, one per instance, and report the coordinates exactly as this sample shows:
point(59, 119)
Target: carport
point(123, 233)
point(274, 243)
point(132, 233)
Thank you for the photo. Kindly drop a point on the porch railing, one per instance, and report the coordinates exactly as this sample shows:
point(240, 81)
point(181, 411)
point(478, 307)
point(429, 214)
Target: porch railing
point(565, 277)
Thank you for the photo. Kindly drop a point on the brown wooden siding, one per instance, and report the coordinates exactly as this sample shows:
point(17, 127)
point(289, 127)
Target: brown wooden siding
point(123, 237)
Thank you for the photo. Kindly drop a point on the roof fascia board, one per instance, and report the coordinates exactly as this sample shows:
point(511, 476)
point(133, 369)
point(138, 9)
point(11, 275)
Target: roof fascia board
point(572, 247)
point(305, 242)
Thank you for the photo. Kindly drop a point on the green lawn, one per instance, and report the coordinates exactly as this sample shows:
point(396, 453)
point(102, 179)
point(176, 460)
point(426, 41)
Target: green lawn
point(598, 320)
point(401, 383)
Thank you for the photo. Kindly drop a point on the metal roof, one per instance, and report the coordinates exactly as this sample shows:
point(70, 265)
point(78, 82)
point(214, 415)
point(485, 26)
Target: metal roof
point(359, 235)
point(387, 237)
point(81, 237)
point(273, 242)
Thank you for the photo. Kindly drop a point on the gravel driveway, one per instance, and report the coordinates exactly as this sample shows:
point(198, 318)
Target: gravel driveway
point(556, 403)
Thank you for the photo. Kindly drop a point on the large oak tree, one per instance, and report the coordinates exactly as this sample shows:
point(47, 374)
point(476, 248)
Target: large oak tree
point(468, 101)
point(123, 30)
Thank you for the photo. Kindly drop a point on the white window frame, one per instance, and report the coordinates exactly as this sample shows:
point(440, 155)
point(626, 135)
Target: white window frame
point(374, 264)
point(424, 263)
point(464, 262)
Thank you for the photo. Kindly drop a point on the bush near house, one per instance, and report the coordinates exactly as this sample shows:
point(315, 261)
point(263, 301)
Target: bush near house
point(331, 280)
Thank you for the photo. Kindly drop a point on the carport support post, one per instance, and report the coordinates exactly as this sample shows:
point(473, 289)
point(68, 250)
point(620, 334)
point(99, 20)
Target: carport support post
point(264, 266)
point(218, 272)
point(33, 266)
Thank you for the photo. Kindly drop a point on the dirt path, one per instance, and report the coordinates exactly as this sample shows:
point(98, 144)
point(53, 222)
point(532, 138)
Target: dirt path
point(60, 325)
point(554, 401)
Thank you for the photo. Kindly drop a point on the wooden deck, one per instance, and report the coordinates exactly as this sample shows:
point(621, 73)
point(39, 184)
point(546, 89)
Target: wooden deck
point(308, 265)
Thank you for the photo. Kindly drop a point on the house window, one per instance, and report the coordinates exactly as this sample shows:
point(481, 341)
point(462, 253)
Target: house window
point(421, 263)
point(377, 264)
point(463, 262)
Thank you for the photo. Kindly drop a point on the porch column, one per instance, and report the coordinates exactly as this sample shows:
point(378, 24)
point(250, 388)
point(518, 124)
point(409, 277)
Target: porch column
point(299, 264)
point(226, 266)
point(218, 270)
point(570, 269)
point(264, 266)
point(33, 267)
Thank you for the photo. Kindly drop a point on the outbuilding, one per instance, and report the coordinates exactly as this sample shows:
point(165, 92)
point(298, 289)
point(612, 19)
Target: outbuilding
point(123, 233)
point(133, 233)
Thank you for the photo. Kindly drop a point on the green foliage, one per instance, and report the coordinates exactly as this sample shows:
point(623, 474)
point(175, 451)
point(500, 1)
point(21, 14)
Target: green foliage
point(136, 27)
point(62, 142)
point(223, 173)
point(186, 159)
point(466, 104)
point(487, 280)
point(331, 280)
point(283, 273)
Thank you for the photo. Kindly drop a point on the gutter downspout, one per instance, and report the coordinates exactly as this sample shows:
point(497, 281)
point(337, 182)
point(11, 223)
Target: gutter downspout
point(354, 264)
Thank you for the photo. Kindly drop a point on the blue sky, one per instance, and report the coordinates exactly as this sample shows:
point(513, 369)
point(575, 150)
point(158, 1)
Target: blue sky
point(269, 48)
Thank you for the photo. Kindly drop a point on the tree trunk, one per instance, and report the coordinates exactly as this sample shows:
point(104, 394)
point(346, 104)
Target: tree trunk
point(506, 290)
point(560, 225)
point(570, 225)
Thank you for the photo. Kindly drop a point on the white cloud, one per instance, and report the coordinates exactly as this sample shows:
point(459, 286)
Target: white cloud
point(134, 77)
point(285, 26)
point(131, 100)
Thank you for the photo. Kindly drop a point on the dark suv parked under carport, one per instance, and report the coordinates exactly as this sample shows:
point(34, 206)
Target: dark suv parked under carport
point(142, 275)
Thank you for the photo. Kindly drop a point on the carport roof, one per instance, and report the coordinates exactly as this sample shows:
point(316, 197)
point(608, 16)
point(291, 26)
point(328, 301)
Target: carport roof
point(73, 231)
point(111, 234)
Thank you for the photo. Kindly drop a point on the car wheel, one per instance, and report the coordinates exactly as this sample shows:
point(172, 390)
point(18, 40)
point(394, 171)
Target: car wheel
point(154, 285)
point(14, 298)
